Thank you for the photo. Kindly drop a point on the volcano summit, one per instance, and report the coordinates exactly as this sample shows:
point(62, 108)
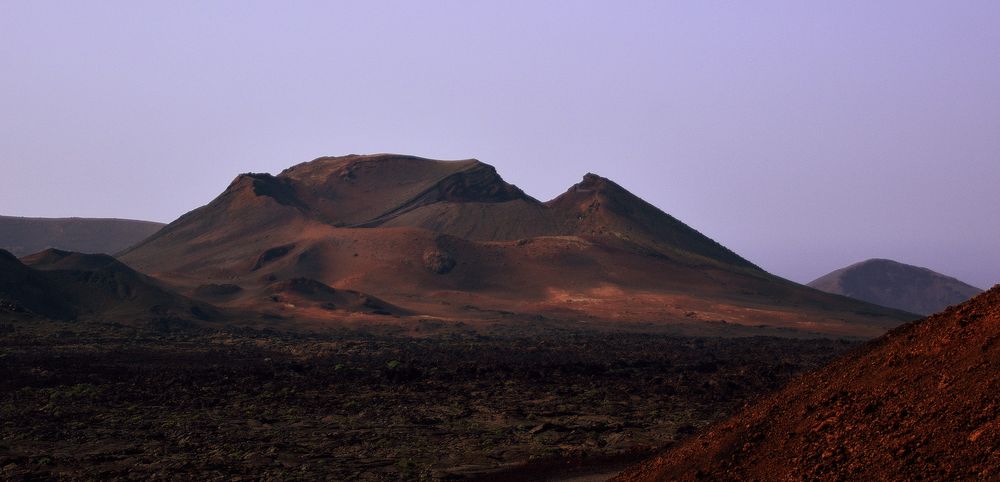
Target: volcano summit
point(451, 240)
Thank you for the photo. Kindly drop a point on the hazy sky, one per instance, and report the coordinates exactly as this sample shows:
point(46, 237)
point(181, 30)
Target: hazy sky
point(803, 135)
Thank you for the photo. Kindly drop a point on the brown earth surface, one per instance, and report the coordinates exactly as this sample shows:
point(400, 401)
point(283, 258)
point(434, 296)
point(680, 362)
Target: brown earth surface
point(450, 240)
point(920, 403)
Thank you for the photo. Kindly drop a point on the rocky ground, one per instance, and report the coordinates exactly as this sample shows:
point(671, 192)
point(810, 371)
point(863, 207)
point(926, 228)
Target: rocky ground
point(920, 403)
point(108, 402)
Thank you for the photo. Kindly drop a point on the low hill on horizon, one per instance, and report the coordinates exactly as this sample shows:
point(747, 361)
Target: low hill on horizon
point(451, 240)
point(22, 236)
point(62, 285)
point(896, 285)
point(920, 403)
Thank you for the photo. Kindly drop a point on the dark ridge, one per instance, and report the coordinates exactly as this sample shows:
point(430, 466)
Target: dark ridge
point(596, 194)
point(479, 183)
point(279, 189)
point(27, 291)
point(331, 298)
point(306, 286)
point(63, 285)
point(6, 256)
point(50, 255)
point(271, 255)
point(212, 290)
point(57, 259)
point(349, 162)
point(23, 236)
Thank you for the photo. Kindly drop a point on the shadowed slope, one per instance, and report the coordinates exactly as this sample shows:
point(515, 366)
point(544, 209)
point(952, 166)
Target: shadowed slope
point(63, 285)
point(22, 290)
point(598, 207)
point(922, 402)
point(23, 236)
point(370, 190)
point(896, 285)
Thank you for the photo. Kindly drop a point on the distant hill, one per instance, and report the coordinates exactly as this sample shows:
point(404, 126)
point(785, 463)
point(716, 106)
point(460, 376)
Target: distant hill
point(897, 285)
point(23, 236)
point(62, 285)
point(454, 241)
point(920, 403)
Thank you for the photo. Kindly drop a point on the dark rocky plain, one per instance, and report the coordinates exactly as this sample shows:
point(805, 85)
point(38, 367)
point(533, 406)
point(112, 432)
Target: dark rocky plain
point(93, 401)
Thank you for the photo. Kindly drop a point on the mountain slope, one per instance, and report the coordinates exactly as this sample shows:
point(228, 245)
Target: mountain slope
point(920, 403)
point(22, 236)
point(22, 290)
point(63, 285)
point(896, 285)
point(452, 239)
point(370, 190)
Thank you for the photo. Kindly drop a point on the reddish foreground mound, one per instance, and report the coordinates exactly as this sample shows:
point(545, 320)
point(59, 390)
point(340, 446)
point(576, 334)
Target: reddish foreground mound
point(921, 402)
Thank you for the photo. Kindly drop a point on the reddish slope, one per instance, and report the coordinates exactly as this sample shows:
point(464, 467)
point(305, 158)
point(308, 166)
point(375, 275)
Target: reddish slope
point(452, 239)
point(596, 208)
point(370, 190)
point(920, 403)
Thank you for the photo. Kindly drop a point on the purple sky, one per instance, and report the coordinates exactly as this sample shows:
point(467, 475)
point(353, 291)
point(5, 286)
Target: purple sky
point(803, 135)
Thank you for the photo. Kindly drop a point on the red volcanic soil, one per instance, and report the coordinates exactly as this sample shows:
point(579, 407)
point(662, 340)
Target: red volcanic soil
point(920, 403)
point(451, 240)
